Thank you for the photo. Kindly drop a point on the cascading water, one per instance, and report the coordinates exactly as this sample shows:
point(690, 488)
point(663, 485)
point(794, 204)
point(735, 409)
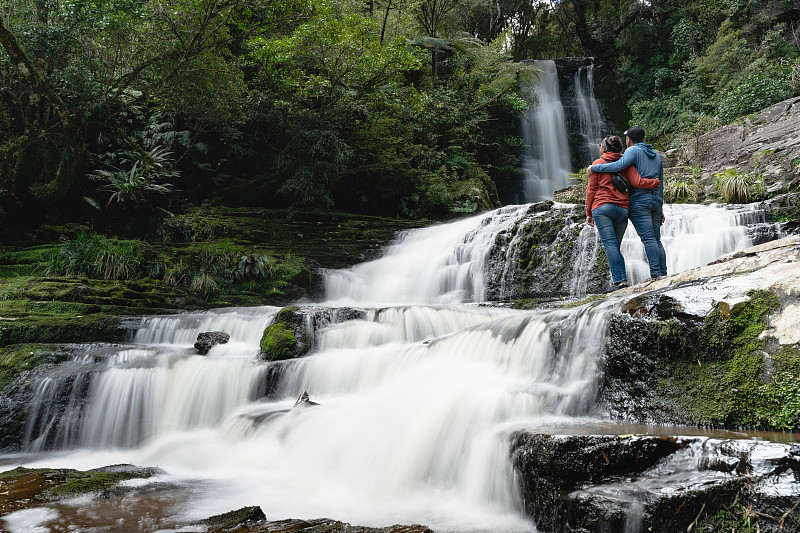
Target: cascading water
point(416, 402)
point(435, 265)
point(692, 235)
point(591, 122)
point(546, 161)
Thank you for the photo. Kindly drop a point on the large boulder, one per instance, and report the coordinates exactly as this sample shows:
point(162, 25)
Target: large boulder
point(292, 332)
point(713, 346)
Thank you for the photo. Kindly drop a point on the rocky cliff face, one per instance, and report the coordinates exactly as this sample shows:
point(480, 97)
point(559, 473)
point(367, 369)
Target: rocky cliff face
point(552, 252)
point(549, 252)
point(712, 346)
point(767, 143)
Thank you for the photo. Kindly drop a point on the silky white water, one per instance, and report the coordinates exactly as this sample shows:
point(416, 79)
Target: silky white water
point(416, 406)
point(591, 122)
point(436, 265)
point(546, 161)
point(692, 235)
point(416, 400)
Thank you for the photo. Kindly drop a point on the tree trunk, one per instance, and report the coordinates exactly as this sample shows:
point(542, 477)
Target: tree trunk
point(28, 71)
point(62, 136)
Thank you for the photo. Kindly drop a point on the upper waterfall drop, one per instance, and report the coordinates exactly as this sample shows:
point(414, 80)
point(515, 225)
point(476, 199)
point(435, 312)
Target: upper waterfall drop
point(546, 161)
point(442, 264)
point(590, 120)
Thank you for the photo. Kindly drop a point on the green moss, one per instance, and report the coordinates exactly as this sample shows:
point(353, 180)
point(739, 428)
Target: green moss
point(15, 360)
point(234, 518)
point(720, 375)
point(87, 482)
point(736, 329)
point(783, 215)
point(278, 342)
point(583, 301)
point(22, 471)
point(65, 483)
point(59, 329)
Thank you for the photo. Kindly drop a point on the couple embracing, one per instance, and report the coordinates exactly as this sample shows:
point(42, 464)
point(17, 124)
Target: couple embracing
point(609, 209)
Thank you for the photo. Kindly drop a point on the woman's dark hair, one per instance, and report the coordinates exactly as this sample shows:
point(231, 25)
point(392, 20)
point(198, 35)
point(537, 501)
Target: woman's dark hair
point(612, 143)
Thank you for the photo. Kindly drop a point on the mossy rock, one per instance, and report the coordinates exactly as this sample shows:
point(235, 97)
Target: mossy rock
point(231, 519)
point(31, 486)
point(286, 337)
point(716, 371)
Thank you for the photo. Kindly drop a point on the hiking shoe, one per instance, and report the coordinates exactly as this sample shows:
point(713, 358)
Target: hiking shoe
point(618, 285)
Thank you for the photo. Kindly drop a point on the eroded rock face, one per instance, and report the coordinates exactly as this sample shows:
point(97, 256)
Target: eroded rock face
point(547, 253)
point(705, 347)
point(712, 346)
point(767, 142)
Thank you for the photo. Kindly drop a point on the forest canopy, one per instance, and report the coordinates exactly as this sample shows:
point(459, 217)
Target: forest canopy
point(115, 112)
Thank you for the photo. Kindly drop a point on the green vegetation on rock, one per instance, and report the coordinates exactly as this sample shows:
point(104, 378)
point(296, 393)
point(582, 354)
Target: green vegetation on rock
point(286, 337)
point(64, 483)
point(719, 373)
point(278, 342)
point(14, 360)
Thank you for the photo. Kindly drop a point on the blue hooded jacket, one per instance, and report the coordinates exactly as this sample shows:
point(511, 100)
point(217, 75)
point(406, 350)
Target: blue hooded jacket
point(646, 160)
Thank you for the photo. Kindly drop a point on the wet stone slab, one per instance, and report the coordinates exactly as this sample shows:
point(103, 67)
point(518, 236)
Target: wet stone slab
point(589, 483)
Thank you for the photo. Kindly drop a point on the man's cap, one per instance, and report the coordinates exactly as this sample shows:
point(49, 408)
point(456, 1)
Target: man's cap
point(635, 133)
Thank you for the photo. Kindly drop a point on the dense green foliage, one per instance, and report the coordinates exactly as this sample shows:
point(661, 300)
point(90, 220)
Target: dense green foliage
point(117, 112)
point(76, 290)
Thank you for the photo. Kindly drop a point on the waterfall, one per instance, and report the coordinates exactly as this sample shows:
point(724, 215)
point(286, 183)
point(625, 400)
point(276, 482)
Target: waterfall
point(417, 394)
point(591, 122)
point(435, 265)
point(546, 161)
point(586, 258)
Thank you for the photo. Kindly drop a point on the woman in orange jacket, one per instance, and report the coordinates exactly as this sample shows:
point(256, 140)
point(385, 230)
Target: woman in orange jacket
point(607, 207)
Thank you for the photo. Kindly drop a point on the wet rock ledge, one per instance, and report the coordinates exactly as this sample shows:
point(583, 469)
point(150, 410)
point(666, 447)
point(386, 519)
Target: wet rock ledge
point(583, 484)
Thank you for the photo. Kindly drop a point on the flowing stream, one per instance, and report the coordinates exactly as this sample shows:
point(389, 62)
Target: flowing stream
point(418, 393)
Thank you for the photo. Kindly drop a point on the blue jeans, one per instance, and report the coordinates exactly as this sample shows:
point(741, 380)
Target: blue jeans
point(646, 208)
point(611, 221)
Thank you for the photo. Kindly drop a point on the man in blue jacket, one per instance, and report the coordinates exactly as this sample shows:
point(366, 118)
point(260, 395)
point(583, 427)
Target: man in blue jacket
point(646, 204)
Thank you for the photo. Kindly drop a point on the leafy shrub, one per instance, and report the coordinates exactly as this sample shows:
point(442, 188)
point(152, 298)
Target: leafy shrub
point(94, 256)
point(118, 262)
point(253, 267)
point(76, 257)
point(680, 191)
point(204, 285)
point(177, 275)
point(755, 92)
point(734, 187)
point(141, 182)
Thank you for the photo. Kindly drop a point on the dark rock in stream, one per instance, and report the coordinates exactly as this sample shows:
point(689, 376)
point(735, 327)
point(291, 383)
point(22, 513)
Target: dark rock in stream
point(583, 484)
point(67, 388)
point(232, 519)
point(209, 339)
point(319, 525)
